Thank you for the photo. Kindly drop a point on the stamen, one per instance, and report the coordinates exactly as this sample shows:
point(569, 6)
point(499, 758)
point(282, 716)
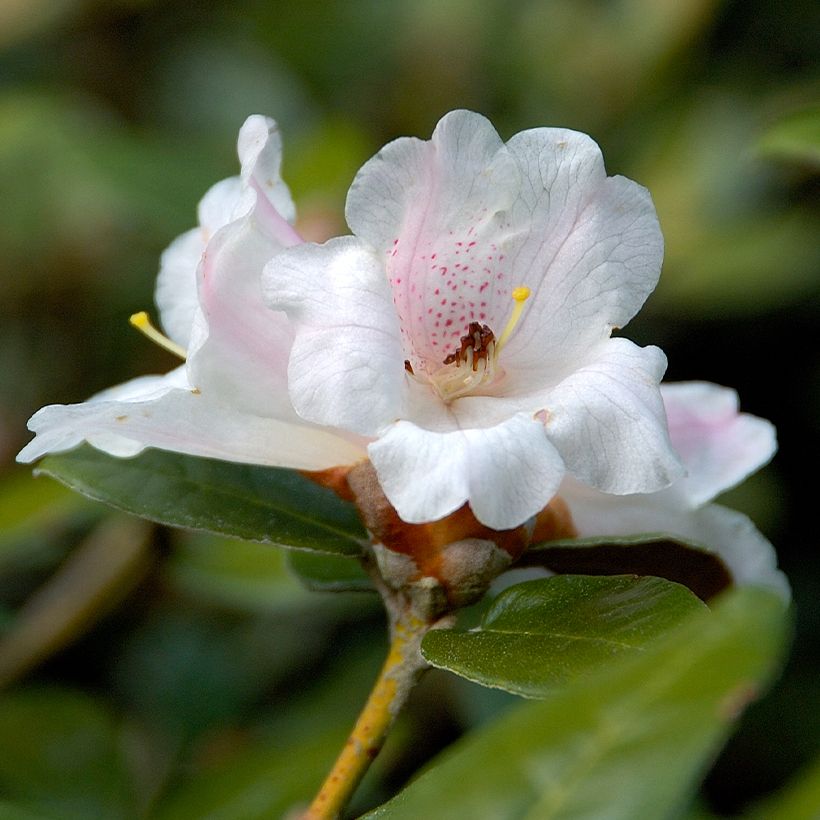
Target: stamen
point(519, 295)
point(143, 324)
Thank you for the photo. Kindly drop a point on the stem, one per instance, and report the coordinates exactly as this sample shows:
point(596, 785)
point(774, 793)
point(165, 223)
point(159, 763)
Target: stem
point(400, 673)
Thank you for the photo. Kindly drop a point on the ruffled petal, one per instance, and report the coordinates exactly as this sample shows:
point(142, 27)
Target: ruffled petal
point(718, 445)
point(346, 366)
point(260, 152)
point(176, 290)
point(462, 220)
point(434, 211)
point(607, 421)
point(242, 351)
point(258, 188)
point(748, 555)
point(590, 249)
point(507, 473)
point(161, 412)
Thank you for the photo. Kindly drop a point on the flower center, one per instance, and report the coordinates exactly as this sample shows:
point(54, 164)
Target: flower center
point(475, 363)
point(143, 324)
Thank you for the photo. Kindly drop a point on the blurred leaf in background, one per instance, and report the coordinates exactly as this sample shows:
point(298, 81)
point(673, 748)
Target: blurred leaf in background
point(205, 688)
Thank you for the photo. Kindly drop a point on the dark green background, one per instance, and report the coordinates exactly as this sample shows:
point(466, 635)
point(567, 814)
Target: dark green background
point(116, 116)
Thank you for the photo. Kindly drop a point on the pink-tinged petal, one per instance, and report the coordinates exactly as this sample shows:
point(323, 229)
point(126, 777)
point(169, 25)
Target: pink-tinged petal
point(607, 420)
point(259, 188)
point(435, 212)
point(346, 366)
point(242, 350)
point(260, 153)
point(590, 249)
point(507, 473)
point(176, 294)
point(159, 412)
point(748, 555)
point(718, 445)
point(462, 220)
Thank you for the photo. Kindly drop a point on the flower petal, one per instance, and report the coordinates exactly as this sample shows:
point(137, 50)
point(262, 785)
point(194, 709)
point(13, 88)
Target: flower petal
point(749, 556)
point(243, 351)
point(608, 423)
point(590, 248)
point(175, 293)
point(259, 188)
point(718, 445)
point(462, 220)
point(346, 367)
point(434, 212)
point(159, 412)
point(260, 153)
point(507, 473)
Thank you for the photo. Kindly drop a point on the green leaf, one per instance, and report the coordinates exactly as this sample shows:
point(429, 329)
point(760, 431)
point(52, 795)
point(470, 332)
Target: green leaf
point(329, 573)
point(662, 555)
point(253, 503)
point(541, 634)
point(631, 742)
point(60, 756)
point(795, 138)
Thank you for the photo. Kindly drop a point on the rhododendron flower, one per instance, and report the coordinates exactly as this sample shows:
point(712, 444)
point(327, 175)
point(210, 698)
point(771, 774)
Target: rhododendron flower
point(719, 447)
point(466, 327)
point(461, 339)
point(229, 400)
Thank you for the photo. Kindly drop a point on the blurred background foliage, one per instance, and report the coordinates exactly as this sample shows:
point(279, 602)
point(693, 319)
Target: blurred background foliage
point(159, 673)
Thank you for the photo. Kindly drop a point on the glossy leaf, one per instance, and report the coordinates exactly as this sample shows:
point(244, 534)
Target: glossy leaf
point(254, 503)
point(664, 556)
point(541, 634)
point(631, 742)
point(328, 573)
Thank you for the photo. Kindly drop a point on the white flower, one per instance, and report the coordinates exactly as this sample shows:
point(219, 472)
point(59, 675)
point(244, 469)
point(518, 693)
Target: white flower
point(465, 329)
point(230, 399)
point(719, 447)
point(461, 339)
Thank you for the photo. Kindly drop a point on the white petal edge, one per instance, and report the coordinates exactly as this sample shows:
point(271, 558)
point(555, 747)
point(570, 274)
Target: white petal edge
point(592, 253)
point(346, 366)
point(243, 349)
point(156, 412)
point(507, 473)
point(260, 153)
point(718, 445)
point(732, 536)
point(175, 293)
point(607, 421)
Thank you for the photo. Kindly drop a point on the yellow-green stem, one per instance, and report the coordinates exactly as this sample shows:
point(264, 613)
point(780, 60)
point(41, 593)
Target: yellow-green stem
point(400, 672)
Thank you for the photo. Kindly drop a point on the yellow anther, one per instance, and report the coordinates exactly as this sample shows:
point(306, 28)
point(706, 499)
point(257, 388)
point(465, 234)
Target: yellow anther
point(519, 295)
point(143, 324)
